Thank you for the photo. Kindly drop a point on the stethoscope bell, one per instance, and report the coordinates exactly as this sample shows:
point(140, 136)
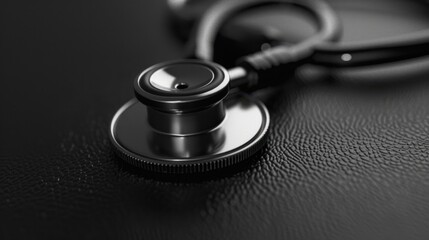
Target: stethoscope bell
point(184, 121)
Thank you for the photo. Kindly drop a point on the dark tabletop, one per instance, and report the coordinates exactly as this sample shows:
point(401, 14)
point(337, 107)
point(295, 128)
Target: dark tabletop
point(347, 154)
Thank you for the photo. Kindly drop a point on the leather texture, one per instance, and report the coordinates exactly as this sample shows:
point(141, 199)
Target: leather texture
point(347, 154)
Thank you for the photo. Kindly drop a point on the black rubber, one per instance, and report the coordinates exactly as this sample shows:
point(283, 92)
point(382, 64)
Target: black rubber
point(218, 14)
point(317, 49)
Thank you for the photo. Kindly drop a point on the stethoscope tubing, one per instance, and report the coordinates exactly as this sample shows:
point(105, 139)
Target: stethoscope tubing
point(211, 22)
point(373, 52)
point(320, 49)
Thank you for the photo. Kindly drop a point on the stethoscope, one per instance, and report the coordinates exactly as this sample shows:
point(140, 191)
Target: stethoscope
point(193, 115)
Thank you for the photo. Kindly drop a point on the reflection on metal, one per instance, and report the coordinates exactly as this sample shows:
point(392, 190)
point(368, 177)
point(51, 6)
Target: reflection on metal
point(181, 77)
point(191, 130)
point(240, 135)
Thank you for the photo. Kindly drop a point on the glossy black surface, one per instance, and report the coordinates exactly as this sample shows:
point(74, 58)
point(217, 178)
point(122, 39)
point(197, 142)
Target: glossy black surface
point(347, 154)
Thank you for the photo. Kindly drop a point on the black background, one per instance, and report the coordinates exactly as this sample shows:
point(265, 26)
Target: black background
point(347, 155)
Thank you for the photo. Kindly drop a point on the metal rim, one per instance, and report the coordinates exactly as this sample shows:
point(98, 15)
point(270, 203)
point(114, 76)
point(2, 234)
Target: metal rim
point(195, 164)
point(206, 95)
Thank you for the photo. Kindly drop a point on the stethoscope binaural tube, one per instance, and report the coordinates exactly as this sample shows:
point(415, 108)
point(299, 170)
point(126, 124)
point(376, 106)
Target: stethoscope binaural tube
point(340, 55)
point(254, 67)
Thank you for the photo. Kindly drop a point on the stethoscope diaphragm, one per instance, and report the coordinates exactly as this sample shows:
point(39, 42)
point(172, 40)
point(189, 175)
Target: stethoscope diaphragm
point(184, 121)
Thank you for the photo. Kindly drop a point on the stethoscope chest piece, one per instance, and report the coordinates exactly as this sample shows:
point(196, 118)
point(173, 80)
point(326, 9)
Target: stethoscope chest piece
point(184, 120)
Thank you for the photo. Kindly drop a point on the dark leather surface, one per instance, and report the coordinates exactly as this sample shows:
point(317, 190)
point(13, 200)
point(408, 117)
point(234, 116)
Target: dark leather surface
point(347, 155)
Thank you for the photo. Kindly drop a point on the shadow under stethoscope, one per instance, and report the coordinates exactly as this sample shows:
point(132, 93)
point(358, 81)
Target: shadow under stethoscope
point(230, 171)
